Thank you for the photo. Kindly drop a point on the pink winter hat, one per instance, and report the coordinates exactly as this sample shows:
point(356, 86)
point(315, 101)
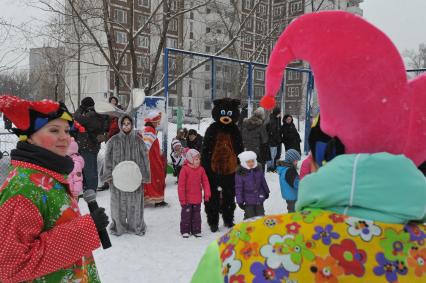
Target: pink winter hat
point(73, 147)
point(190, 154)
point(366, 100)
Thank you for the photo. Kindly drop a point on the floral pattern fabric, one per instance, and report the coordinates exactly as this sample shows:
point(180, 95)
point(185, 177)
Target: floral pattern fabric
point(53, 201)
point(323, 247)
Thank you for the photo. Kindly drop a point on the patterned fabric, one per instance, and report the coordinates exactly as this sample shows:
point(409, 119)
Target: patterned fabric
point(44, 237)
point(320, 246)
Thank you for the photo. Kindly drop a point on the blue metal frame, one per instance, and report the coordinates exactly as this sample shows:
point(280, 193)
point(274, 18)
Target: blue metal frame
point(250, 65)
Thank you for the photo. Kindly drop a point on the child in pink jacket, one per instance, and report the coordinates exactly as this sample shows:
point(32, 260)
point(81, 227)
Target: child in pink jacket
point(192, 180)
point(75, 178)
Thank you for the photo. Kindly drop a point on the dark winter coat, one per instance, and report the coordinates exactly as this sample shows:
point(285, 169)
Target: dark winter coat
point(290, 135)
point(94, 124)
point(195, 144)
point(273, 129)
point(250, 186)
point(254, 134)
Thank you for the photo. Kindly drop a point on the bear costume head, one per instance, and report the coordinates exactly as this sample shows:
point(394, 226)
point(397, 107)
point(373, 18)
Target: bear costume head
point(225, 111)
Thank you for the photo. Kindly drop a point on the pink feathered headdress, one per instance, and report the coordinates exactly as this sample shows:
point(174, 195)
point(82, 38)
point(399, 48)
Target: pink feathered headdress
point(366, 100)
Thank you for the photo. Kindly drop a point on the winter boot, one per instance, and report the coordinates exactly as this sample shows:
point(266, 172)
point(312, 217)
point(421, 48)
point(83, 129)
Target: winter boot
point(197, 235)
point(161, 204)
point(214, 228)
point(185, 235)
point(229, 225)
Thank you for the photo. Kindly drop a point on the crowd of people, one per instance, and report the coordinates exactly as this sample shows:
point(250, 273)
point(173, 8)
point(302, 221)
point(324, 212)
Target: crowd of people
point(350, 219)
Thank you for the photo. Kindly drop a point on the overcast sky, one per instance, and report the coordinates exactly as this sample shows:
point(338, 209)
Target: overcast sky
point(404, 21)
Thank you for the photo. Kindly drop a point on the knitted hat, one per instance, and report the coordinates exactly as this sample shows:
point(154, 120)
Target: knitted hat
point(190, 154)
point(246, 156)
point(175, 143)
point(87, 102)
point(73, 147)
point(292, 155)
point(153, 116)
point(30, 116)
point(358, 109)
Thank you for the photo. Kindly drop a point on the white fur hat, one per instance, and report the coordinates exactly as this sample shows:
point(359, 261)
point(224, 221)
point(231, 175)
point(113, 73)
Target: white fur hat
point(247, 155)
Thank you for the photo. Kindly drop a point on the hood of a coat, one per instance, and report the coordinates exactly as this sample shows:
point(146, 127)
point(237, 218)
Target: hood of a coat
point(253, 122)
point(380, 187)
point(120, 120)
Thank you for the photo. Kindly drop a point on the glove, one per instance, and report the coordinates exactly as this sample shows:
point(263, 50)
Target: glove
point(242, 206)
point(100, 218)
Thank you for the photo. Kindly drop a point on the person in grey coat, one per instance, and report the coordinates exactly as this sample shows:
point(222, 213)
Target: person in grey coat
point(255, 136)
point(127, 207)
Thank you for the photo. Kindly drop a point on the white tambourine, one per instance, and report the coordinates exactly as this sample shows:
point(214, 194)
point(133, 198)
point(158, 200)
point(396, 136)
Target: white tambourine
point(127, 176)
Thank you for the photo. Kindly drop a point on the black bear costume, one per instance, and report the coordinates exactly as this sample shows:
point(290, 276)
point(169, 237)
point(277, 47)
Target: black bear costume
point(221, 146)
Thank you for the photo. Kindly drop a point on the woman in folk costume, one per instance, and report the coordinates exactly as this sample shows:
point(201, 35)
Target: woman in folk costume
point(43, 237)
point(154, 191)
point(360, 217)
point(127, 202)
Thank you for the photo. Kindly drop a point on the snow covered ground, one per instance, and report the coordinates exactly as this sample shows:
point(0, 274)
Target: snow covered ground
point(162, 255)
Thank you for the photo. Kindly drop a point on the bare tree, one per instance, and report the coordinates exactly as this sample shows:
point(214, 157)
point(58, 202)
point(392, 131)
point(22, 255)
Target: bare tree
point(416, 59)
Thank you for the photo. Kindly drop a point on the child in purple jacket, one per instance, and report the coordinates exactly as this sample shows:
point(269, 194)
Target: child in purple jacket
point(251, 189)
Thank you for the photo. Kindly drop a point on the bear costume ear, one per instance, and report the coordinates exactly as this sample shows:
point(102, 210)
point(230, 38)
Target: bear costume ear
point(217, 102)
point(235, 103)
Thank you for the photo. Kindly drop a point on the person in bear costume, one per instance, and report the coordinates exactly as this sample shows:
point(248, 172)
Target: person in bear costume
point(221, 146)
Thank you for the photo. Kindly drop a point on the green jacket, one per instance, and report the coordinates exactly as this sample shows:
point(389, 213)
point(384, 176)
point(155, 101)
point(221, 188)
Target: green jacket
point(43, 236)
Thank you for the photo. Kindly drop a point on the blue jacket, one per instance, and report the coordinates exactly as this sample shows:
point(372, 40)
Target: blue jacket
point(289, 180)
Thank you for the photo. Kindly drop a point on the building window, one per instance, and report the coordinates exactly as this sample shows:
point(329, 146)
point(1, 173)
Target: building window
point(278, 11)
point(219, 31)
point(173, 6)
point(208, 11)
point(258, 91)
point(142, 19)
point(172, 64)
point(142, 62)
point(191, 36)
point(261, 10)
point(143, 41)
point(172, 102)
point(247, 4)
point(259, 75)
point(207, 85)
point(293, 75)
point(144, 3)
point(191, 26)
point(249, 23)
point(173, 25)
point(207, 104)
point(191, 15)
point(293, 91)
point(121, 16)
point(207, 29)
point(296, 7)
point(261, 59)
point(247, 39)
point(207, 48)
point(259, 26)
point(124, 61)
point(172, 42)
point(207, 67)
point(121, 37)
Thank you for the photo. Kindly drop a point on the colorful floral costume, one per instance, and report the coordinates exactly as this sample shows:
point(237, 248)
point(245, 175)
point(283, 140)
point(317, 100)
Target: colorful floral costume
point(43, 236)
point(353, 225)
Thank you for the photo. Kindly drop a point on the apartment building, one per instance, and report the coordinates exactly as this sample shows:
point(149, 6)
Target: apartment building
point(206, 29)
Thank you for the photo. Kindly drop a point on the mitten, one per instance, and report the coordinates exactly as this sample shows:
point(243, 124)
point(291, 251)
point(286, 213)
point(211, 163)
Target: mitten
point(100, 218)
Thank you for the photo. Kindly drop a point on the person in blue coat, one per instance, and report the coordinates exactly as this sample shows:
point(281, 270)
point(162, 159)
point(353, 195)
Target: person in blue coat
point(289, 178)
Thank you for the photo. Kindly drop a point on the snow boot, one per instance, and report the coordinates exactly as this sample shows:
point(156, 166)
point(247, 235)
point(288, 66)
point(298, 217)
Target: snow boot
point(161, 204)
point(229, 225)
point(185, 235)
point(214, 228)
point(198, 235)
